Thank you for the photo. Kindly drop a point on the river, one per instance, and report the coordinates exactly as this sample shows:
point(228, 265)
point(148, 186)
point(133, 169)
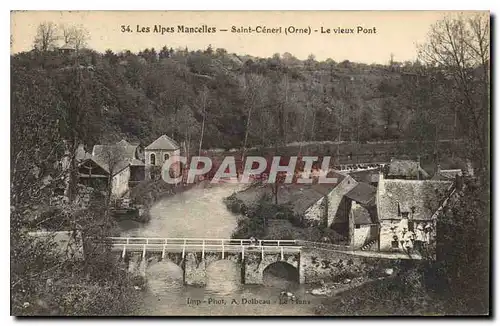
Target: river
point(200, 212)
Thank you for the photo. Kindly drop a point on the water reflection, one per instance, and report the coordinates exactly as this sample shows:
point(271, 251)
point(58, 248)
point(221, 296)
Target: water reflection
point(223, 277)
point(164, 276)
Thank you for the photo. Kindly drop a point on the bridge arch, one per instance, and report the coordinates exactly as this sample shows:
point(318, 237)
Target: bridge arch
point(281, 269)
point(161, 273)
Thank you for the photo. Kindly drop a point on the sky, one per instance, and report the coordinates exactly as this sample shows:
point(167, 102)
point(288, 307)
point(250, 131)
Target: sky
point(396, 32)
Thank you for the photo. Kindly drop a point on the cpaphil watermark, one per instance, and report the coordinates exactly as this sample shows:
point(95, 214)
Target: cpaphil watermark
point(276, 169)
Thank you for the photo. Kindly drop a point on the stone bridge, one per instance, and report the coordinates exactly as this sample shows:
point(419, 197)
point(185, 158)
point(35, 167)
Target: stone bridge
point(195, 255)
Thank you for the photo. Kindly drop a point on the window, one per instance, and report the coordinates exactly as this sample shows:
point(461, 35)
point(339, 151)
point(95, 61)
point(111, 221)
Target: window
point(165, 157)
point(357, 226)
point(395, 244)
point(152, 159)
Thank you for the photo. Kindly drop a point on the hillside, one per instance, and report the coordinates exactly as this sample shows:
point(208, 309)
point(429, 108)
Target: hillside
point(246, 101)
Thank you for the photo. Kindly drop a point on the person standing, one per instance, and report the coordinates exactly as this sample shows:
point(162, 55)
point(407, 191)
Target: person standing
point(419, 237)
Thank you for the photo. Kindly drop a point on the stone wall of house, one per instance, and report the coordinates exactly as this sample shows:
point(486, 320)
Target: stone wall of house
point(388, 233)
point(160, 156)
point(363, 235)
point(160, 160)
point(322, 264)
point(120, 184)
point(316, 213)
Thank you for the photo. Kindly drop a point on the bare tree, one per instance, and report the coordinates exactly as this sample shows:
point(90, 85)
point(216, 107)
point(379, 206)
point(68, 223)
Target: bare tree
point(113, 157)
point(76, 36)
point(204, 99)
point(253, 96)
point(46, 36)
point(460, 47)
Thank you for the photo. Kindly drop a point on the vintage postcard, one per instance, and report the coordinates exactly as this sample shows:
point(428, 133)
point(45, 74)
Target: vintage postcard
point(250, 163)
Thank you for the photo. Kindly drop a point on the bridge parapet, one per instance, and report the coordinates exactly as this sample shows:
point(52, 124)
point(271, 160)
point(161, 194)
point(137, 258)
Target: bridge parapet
point(196, 254)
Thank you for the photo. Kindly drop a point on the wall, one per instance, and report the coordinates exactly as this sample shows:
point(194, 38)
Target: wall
point(388, 230)
point(315, 213)
point(255, 265)
point(159, 160)
point(159, 154)
point(321, 264)
point(195, 268)
point(120, 183)
point(364, 235)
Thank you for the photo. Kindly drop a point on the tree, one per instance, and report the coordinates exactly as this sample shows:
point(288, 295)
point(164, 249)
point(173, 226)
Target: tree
point(113, 157)
point(203, 98)
point(460, 47)
point(253, 85)
point(76, 36)
point(46, 36)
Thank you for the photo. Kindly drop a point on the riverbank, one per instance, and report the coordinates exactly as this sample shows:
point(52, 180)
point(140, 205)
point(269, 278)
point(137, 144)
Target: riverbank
point(402, 294)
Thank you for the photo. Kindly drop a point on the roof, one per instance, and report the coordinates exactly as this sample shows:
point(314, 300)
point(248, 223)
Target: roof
point(362, 216)
point(82, 154)
point(368, 176)
point(67, 47)
point(424, 196)
point(406, 168)
point(117, 168)
point(136, 162)
point(126, 149)
point(362, 193)
point(447, 174)
point(300, 196)
point(123, 149)
point(163, 142)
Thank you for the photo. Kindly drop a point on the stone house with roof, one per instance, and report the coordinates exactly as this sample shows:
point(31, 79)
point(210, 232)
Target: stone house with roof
point(405, 169)
point(157, 153)
point(364, 225)
point(94, 172)
point(131, 153)
point(330, 208)
point(409, 206)
point(122, 162)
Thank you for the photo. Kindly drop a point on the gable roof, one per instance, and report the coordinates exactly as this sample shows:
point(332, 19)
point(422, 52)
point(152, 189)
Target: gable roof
point(96, 165)
point(362, 193)
point(127, 150)
point(117, 168)
point(425, 196)
point(300, 196)
point(368, 176)
point(406, 168)
point(163, 142)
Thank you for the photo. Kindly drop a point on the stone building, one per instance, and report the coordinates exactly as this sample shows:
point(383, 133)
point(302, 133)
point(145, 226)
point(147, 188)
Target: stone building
point(95, 173)
point(405, 169)
point(363, 226)
point(122, 162)
point(131, 153)
point(157, 153)
point(407, 207)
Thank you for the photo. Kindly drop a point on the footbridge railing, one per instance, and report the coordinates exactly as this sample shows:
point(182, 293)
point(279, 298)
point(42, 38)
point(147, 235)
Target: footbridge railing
point(184, 245)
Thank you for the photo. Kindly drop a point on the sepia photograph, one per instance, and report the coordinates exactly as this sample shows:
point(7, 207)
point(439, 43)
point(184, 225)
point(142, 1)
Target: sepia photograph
point(250, 163)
